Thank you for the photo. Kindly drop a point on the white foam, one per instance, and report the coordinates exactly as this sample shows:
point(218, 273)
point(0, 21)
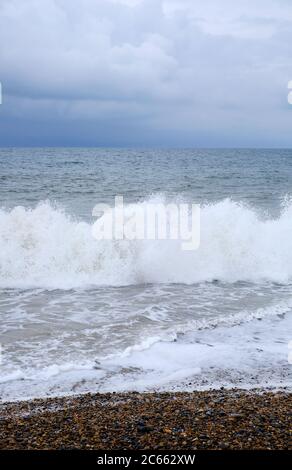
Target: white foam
point(247, 355)
point(44, 247)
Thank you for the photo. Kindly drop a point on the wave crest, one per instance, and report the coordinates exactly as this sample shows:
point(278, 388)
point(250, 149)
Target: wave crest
point(44, 247)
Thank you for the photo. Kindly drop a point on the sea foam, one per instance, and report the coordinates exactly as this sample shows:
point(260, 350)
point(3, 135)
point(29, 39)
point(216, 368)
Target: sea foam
point(45, 247)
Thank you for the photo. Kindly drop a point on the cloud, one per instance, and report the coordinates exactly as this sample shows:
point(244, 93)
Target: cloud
point(193, 72)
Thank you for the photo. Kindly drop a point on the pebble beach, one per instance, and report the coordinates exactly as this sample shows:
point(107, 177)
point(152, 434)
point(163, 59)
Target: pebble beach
point(216, 419)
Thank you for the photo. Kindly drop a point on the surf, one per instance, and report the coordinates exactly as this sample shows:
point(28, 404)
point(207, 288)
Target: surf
point(46, 247)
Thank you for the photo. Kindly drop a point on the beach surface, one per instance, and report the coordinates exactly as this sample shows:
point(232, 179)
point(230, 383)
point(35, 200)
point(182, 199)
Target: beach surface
point(216, 419)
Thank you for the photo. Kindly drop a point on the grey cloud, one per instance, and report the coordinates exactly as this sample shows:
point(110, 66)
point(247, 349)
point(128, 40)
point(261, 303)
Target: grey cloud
point(201, 73)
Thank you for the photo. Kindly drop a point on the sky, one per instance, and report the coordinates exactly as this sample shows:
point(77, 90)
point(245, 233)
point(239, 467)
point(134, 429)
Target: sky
point(146, 73)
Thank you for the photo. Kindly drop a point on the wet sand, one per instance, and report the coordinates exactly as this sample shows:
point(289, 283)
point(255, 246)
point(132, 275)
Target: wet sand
point(219, 419)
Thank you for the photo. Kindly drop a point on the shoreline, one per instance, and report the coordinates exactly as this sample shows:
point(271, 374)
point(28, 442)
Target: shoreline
point(213, 419)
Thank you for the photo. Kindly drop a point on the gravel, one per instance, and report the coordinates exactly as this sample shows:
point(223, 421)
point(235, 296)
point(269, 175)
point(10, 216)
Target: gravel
point(216, 419)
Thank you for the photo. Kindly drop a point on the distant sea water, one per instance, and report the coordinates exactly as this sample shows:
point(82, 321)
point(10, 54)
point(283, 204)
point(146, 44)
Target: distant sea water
point(78, 314)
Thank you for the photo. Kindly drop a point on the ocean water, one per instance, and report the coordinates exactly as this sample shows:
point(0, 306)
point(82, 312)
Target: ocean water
point(78, 314)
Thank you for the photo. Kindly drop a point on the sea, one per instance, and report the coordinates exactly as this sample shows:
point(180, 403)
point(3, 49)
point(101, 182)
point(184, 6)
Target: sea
point(78, 314)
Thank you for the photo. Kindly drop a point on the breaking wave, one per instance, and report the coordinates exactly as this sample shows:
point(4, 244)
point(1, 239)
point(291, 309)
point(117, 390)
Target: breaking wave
point(44, 247)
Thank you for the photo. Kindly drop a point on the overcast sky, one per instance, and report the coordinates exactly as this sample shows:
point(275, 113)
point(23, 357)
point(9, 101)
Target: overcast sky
point(189, 73)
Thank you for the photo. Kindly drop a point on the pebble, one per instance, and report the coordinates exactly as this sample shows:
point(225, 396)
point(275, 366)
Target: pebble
point(216, 419)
